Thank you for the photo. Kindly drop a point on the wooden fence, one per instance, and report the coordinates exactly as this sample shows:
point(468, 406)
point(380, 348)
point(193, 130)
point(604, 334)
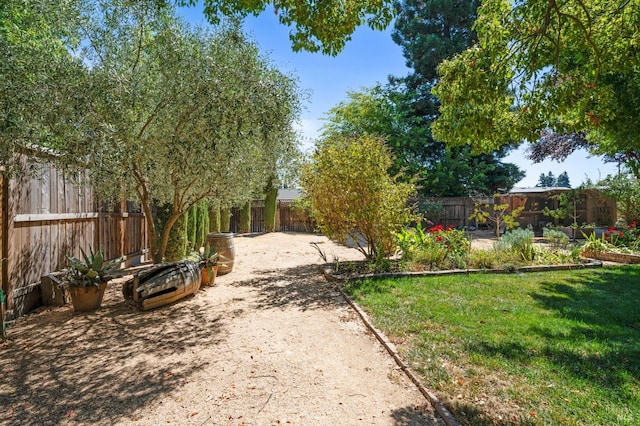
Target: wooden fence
point(287, 218)
point(592, 207)
point(45, 217)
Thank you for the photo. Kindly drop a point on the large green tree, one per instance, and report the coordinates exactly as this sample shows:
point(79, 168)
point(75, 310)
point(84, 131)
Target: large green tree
point(151, 107)
point(543, 66)
point(430, 32)
point(402, 112)
point(440, 171)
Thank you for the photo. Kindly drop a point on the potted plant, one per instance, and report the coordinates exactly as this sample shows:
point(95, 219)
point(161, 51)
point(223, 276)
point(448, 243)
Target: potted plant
point(210, 261)
point(86, 279)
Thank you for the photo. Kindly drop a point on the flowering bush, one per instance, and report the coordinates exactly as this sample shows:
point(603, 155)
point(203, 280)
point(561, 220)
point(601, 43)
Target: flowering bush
point(437, 247)
point(628, 237)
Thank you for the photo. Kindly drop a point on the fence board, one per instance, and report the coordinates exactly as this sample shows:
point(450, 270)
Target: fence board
point(44, 218)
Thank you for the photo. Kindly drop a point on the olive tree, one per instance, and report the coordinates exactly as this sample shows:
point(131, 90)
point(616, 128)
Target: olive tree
point(42, 83)
point(180, 114)
point(352, 195)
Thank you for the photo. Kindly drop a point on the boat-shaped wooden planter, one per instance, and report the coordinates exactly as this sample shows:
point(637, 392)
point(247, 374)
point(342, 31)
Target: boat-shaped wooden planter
point(163, 284)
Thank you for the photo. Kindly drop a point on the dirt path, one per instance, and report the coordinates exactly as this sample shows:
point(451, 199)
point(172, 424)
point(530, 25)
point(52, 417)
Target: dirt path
point(271, 343)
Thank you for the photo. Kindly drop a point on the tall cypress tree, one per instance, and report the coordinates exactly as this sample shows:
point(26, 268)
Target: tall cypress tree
point(245, 218)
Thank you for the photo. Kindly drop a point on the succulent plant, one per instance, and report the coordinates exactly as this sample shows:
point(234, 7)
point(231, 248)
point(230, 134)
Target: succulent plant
point(92, 269)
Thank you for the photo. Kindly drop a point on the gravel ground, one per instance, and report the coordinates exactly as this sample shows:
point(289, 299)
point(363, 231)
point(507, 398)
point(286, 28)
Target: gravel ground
point(270, 343)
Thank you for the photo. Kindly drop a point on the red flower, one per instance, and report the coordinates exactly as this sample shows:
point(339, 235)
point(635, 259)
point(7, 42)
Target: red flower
point(613, 228)
point(450, 227)
point(439, 238)
point(436, 228)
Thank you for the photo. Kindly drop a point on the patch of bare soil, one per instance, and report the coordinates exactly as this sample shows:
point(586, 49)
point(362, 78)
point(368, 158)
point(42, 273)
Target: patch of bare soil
point(270, 343)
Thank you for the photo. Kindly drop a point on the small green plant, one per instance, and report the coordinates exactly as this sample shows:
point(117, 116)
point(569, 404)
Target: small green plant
point(208, 257)
point(499, 214)
point(432, 256)
point(482, 259)
point(381, 263)
point(321, 253)
point(595, 244)
point(555, 237)
point(92, 269)
point(519, 241)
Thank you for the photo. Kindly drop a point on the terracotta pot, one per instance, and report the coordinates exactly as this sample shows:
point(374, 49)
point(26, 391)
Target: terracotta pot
point(209, 279)
point(88, 298)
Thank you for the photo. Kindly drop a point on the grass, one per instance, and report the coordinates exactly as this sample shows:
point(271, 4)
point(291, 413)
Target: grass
point(560, 348)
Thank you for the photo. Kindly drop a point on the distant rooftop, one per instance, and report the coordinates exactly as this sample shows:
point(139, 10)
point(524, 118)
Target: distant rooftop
point(538, 189)
point(289, 194)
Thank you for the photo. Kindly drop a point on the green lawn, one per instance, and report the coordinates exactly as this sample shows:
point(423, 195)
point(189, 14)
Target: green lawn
point(559, 348)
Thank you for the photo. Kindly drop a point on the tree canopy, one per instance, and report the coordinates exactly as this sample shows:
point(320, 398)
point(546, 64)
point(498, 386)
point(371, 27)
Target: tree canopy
point(402, 111)
point(541, 66)
point(149, 106)
point(41, 82)
point(315, 25)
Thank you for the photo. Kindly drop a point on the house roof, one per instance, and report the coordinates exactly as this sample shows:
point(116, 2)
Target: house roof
point(289, 194)
point(539, 190)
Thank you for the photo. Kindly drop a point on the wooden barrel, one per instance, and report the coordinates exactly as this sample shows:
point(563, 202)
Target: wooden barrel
point(223, 242)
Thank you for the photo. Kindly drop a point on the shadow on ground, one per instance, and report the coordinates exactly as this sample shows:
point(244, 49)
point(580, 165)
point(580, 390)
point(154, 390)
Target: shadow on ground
point(101, 366)
point(301, 286)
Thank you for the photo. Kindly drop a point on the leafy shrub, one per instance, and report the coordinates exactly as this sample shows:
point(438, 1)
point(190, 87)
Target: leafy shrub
point(482, 259)
point(352, 195)
point(596, 245)
point(555, 257)
point(432, 256)
point(518, 241)
point(555, 237)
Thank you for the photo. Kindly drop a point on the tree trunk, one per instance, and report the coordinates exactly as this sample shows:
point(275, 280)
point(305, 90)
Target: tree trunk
point(214, 216)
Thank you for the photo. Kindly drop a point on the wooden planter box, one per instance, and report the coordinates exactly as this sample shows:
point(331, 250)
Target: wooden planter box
point(613, 257)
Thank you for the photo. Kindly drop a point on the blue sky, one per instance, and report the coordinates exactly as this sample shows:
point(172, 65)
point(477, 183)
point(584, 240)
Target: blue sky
point(369, 58)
